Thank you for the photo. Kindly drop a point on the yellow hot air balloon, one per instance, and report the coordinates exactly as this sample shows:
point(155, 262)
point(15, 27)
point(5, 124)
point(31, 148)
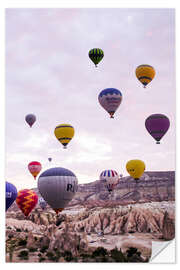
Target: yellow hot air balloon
point(145, 74)
point(135, 168)
point(64, 133)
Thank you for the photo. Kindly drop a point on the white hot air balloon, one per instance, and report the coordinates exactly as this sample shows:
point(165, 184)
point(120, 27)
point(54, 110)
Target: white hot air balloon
point(57, 186)
point(110, 179)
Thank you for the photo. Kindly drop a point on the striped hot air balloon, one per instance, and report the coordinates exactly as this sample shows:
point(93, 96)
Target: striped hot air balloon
point(145, 74)
point(64, 133)
point(26, 201)
point(157, 125)
point(110, 179)
point(96, 55)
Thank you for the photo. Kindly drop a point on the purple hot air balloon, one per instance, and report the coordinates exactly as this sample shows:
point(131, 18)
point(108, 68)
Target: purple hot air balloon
point(157, 125)
point(30, 119)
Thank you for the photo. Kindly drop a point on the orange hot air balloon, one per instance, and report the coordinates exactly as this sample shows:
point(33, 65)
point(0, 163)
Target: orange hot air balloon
point(34, 167)
point(26, 201)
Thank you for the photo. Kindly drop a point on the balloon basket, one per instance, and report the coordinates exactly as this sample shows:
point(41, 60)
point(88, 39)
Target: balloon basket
point(157, 142)
point(65, 147)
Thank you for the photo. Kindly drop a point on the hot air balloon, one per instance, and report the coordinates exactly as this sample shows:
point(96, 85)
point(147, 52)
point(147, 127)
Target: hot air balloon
point(64, 133)
point(42, 203)
point(135, 168)
point(57, 186)
point(121, 175)
point(30, 119)
point(110, 99)
point(96, 55)
point(110, 179)
point(26, 201)
point(145, 74)
point(50, 159)
point(11, 194)
point(157, 125)
point(34, 167)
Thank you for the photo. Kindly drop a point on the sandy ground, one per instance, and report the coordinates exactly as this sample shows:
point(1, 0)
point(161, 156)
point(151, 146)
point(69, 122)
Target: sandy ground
point(138, 240)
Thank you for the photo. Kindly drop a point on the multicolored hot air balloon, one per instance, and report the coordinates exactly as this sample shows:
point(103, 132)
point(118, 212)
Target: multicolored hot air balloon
point(11, 194)
point(64, 133)
point(110, 99)
point(57, 186)
point(157, 125)
point(26, 201)
point(135, 168)
point(110, 179)
point(96, 55)
point(42, 203)
point(50, 159)
point(34, 167)
point(30, 119)
point(145, 74)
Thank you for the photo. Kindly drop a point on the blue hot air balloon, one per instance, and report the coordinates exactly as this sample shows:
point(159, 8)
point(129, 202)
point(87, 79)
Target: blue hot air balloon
point(11, 194)
point(110, 99)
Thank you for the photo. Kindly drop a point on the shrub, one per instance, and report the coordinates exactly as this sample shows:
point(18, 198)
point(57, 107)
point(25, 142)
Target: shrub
point(41, 259)
point(31, 249)
point(23, 254)
point(132, 251)
point(22, 242)
point(68, 256)
point(100, 251)
point(43, 249)
point(117, 255)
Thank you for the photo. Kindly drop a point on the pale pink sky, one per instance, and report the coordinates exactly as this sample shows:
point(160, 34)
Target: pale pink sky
point(49, 73)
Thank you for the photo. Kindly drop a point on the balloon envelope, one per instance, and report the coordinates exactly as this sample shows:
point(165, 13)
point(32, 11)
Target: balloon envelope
point(11, 194)
point(109, 178)
point(30, 119)
point(26, 201)
point(145, 74)
point(110, 99)
point(157, 125)
point(135, 168)
point(64, 133)
point(57, 186)
point(34, 167)
point(96, 55)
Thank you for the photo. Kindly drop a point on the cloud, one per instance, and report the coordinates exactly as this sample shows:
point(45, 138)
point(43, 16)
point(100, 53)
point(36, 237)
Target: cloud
point(49, 73)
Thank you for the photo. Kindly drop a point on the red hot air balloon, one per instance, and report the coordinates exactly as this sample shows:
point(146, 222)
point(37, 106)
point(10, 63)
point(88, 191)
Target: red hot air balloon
point(157, 125)
point(34, 168)
point(26, 201)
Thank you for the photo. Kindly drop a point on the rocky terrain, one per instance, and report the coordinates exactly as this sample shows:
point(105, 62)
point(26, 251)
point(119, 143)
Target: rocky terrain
point(125, 221)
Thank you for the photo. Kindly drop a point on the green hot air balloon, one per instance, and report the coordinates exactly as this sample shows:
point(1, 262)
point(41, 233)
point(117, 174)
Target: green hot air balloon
point(96, 55)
